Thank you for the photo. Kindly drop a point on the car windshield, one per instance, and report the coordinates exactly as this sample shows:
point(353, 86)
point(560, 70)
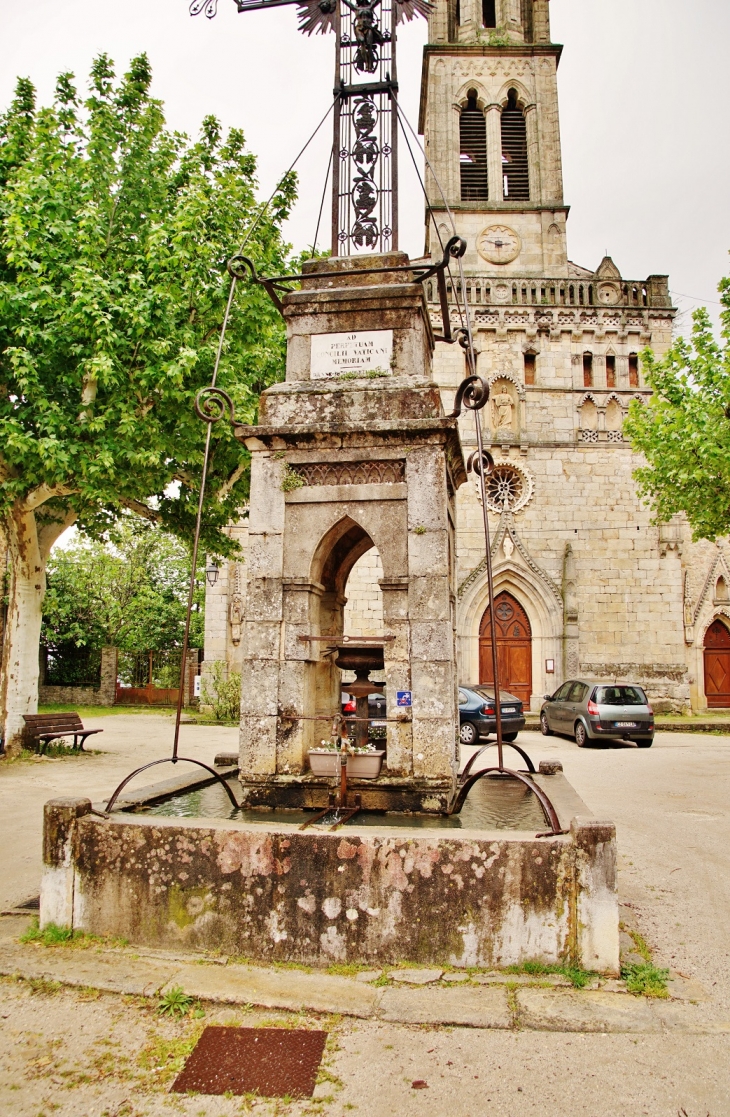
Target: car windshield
point(620, 696)
point(504, 695)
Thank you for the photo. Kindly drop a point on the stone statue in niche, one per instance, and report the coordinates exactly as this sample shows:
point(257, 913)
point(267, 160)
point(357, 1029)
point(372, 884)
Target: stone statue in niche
point(508, 547)
point(235, 615)
point(502, 410)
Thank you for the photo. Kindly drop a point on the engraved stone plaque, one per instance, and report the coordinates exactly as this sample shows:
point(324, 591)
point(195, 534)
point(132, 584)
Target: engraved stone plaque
point(362, 352)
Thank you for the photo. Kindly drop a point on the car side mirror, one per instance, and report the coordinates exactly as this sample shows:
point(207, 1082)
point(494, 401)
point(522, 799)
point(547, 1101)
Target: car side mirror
point(547, 697)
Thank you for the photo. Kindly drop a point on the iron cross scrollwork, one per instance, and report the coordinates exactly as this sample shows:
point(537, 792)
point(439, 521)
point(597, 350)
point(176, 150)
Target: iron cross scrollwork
point(365, 151)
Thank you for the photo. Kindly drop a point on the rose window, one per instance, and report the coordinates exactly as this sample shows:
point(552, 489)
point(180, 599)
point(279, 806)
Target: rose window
point(509, 488)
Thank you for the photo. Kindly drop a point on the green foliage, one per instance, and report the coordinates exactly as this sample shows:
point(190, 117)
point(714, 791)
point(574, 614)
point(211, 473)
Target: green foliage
point(129, 590)
point(51, 935)
point(175, 1002)
point(225, 697)
point(684, 432)
point(579, 978)
point(114, 237)
point(291, 480)
point(646, 979)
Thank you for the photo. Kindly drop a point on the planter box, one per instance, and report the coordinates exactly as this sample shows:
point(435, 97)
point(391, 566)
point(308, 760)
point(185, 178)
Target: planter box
point(324, 762)
point(365, 766)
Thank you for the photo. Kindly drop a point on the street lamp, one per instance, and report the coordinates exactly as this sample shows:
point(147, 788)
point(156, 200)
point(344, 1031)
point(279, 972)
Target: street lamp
point(211, 573)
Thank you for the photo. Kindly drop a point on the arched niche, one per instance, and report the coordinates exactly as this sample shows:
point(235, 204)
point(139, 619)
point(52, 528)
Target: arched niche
point(614, 415)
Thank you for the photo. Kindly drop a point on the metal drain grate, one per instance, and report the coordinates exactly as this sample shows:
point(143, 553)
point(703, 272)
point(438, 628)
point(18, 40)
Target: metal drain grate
point(272, 1062)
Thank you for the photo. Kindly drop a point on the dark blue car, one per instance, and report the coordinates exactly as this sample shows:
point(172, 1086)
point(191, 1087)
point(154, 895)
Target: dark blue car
point(477, 714)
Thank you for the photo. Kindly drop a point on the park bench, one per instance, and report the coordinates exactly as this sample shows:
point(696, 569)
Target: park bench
point(42, 728)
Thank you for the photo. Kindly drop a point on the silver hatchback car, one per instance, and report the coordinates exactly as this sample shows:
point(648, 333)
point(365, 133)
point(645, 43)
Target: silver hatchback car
point(591, 711)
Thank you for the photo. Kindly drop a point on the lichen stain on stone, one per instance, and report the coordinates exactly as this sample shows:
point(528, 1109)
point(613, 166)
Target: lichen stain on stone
point(252, 854)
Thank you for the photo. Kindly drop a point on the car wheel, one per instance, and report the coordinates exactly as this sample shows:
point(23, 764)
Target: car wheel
point(544, 726)
point(581, 736)
point(509, 737)
point(468, 734)
point(645, 742)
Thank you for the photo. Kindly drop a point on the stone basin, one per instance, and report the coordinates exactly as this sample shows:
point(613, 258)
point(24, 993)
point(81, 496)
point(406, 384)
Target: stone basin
point(378, 893)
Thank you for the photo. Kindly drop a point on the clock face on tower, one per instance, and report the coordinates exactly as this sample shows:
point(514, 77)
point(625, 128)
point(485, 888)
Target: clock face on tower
point(499, 244)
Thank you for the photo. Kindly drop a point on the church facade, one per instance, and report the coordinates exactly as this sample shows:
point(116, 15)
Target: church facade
point(586, 585)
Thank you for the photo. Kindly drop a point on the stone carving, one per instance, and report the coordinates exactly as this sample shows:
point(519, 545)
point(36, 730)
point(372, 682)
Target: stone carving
point(509, 488)
point(508, 547)
point(235, 615)
point(502, 408)
point(352, 473)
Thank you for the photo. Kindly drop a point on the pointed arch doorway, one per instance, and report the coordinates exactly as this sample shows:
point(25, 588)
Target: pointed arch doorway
point(717, 666)
point(514, 647)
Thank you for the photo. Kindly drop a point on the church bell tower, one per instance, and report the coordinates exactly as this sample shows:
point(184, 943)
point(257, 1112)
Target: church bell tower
point(489, 114)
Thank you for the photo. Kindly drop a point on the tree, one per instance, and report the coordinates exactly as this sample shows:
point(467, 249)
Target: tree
point(684, 431)
point(129, 591)
point(114, 238)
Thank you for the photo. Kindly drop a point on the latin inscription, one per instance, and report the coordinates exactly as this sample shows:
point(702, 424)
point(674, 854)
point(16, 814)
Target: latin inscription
point(361, 353)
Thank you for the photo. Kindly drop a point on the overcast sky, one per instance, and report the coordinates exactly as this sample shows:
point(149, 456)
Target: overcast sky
point(642, 95)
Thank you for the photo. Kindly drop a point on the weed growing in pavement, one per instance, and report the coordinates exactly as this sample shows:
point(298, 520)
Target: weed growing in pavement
point(578, 978)
point(646, 980)
point(640, 943)
point(52, 935)
point(175, 1002)
point(43, 985)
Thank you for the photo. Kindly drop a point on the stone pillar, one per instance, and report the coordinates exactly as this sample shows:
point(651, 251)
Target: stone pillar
point(571, 660)
point(397, 675)
point(433, 644)
point(264, 614)
point(494, 152)
point(596, 923)
point(533, 152)
point(108, 684)
point(57, 880)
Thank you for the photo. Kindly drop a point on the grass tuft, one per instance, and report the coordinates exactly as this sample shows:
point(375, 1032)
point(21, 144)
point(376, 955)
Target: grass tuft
point(646, 980)
point(579, 978)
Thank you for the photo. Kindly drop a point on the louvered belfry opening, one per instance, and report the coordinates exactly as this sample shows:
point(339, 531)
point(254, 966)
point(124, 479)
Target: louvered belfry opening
point(514, 151)
point(473, 151)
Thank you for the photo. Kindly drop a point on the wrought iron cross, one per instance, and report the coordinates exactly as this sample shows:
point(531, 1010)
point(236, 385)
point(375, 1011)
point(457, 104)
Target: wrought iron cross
point(365, 141)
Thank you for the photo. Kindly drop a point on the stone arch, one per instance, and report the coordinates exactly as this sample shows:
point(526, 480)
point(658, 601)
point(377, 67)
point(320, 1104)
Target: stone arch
point(721, 590)
point(544, 611)
point(364, 605)
point(524, 98)
point(520, 387)
point(462, 95)
point(337, 552)
point(614, 414)
point(588, 414)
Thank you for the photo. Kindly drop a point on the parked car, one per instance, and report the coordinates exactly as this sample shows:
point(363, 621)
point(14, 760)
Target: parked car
point(591, 711)
point(477, 714)
point(376, 705)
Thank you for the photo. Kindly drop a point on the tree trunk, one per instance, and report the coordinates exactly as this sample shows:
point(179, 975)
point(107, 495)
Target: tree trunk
point(29, 547)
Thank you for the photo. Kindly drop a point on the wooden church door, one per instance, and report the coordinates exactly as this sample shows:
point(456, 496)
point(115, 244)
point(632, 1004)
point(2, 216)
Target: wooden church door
point(717, 665)
point(514, 647)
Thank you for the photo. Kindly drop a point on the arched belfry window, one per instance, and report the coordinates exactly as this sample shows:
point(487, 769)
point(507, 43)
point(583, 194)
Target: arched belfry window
point(473, 151)
point(514, 151)
point(489, 13)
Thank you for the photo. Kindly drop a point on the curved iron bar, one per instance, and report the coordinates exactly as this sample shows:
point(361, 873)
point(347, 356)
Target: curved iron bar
point(548, 809)
point(472, 393)
point(493, 744)
point(211, 404)
point(242, 267)
point(169, 760)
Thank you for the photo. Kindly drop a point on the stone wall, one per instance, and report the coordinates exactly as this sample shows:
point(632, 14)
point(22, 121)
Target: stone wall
point(364, 609)
point(273, 893)
point(103, 695)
